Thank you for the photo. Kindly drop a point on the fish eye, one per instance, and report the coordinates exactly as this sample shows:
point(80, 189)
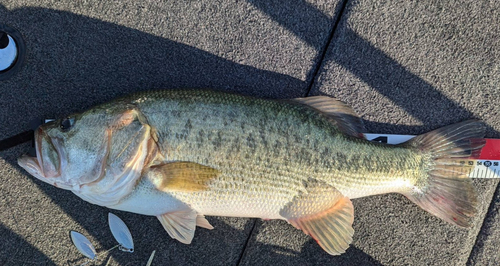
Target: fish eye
point(67, 123)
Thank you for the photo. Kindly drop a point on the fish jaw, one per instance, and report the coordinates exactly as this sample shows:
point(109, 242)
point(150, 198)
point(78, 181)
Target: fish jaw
point(44, 170)
point(47, 170)
point(36, 165)
point(30, 164)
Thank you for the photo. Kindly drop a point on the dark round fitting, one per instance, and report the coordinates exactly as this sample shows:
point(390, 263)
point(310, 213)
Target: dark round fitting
point(12, 51)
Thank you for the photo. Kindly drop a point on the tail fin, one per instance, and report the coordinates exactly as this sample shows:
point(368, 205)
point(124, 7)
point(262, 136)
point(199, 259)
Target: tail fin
point(448, 193)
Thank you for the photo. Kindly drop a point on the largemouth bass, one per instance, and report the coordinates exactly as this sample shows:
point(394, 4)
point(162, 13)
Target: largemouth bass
point(182, 154)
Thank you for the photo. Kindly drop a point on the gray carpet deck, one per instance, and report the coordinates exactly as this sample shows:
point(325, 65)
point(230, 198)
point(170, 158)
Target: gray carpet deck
point(405, 67)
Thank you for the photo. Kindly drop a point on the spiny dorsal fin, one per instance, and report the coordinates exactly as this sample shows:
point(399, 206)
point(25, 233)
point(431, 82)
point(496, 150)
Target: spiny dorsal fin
point(181, 176)
point(180, 225)
point(322, 212)
point(340, 114)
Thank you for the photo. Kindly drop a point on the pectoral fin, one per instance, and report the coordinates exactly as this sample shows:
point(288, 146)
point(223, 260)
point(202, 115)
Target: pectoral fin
point(181, 176)
point(180, 225)
point(325, 214)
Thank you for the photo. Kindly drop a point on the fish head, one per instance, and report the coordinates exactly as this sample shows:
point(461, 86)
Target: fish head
point(99, 148)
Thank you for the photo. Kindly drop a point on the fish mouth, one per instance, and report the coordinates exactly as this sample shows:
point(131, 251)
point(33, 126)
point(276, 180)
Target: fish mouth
point(31, 165)
point(46, 165)
point(34, 164)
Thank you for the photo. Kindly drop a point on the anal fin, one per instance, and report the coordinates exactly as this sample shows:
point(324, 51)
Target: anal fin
point(325, 214)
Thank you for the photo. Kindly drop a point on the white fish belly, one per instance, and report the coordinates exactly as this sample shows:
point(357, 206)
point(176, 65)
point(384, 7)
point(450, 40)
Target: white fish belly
point(147, 200)
point(239, 198)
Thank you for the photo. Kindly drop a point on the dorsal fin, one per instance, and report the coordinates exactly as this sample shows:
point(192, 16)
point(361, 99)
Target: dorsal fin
point(340, 114)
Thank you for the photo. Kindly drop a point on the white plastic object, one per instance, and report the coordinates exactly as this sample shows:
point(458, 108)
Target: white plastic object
point(83, 245)
point(121, 233)
point(151, 258)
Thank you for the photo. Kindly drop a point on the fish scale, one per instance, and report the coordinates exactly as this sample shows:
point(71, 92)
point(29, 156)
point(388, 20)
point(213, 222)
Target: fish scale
point(230, 125)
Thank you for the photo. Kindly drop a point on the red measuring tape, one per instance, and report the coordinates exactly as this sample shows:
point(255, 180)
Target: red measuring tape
point(491, 150)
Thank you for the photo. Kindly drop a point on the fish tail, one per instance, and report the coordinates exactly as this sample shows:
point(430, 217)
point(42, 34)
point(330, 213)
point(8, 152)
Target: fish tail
point(445, 190)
